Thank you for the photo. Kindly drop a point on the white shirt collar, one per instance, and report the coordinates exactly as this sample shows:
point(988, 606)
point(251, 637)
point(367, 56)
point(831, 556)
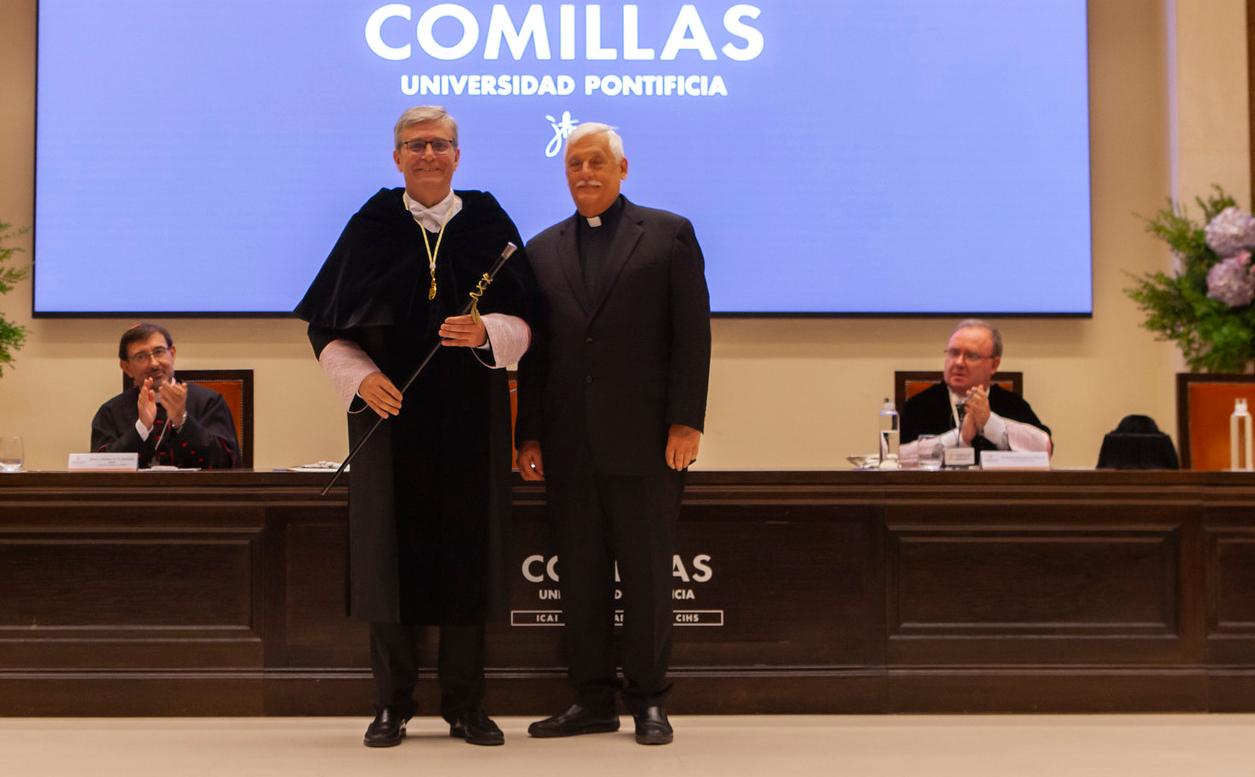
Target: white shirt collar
point(437, 215)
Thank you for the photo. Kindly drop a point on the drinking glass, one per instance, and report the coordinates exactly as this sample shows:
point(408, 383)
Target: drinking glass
point(931, 452)
point(10, 454)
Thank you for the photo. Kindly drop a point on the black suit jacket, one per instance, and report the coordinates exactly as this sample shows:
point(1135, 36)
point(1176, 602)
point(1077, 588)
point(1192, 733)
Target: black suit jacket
point(607, 376)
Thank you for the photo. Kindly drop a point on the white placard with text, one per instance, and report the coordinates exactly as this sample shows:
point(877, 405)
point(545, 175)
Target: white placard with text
point(103, 462)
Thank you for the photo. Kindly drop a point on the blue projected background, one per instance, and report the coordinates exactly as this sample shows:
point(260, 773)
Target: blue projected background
point(835, 156)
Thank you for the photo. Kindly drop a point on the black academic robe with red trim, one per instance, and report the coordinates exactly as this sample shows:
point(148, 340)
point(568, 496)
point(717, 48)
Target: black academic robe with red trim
point(205, 441)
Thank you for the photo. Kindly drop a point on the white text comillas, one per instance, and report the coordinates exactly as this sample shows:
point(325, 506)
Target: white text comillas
point(536, 33)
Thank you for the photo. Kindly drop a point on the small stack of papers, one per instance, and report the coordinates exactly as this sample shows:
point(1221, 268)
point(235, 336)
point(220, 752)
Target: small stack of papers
point(316, 466)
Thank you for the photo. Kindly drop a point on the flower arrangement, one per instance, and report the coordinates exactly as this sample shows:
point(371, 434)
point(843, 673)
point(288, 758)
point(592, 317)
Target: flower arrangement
point(1205, 307)
point(11, 335)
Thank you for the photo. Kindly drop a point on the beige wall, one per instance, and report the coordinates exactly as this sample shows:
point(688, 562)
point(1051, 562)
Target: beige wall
point(1168, 104)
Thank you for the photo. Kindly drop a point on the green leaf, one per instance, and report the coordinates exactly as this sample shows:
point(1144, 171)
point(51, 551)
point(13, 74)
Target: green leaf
point(12, 336)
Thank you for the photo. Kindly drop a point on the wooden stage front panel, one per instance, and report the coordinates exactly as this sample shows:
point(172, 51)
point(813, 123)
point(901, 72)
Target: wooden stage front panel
point(222, 593)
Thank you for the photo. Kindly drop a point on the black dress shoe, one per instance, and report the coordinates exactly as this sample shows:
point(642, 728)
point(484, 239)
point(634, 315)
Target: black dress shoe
point(476, 728)
point(652, 727)
point(386, 730)
point(573, 721)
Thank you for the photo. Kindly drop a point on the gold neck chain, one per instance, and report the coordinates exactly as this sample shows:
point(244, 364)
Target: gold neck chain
point(431, 255)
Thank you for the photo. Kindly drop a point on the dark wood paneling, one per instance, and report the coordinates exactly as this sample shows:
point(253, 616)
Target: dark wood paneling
point(1228, 541)
point(954, 582)
point(1029, 582)
point(104, 694)
point(789, 588)
point(123, 583)
point(130, 583)
point(222, 593)
point(317, 631)
point(1232, 596)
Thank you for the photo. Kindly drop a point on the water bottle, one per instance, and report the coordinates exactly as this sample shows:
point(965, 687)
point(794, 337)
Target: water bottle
point(888, 436)
point(1240, 438)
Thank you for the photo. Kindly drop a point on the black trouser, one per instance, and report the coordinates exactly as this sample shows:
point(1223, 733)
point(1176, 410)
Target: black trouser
point(460, 667)
point(600, 520)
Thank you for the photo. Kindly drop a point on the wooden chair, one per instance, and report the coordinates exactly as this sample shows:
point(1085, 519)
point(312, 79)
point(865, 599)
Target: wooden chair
point(908, 383)
point(236, 388)
point(1204, 404)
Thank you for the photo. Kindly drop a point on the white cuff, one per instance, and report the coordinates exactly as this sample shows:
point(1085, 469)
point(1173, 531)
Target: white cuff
point(509, 336)
point(144, 431)
point(996, 431)
point(1026, 437)
point(346, 365)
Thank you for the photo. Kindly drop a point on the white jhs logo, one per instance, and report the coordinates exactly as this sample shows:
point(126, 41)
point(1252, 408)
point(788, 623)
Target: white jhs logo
point(537, 568)
point(561, 131)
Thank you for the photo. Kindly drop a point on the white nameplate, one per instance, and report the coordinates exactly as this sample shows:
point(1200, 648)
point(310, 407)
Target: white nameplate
point(104, 462)
point(1014, 460)
point(960, 457)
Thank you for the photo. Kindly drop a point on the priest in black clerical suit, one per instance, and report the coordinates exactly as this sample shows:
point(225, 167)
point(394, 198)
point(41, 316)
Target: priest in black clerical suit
point(612, 402)
point(967, 407)
point(166, 422)
point(429, 496)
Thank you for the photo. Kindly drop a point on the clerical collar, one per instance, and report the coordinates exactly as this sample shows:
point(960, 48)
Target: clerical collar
point(608, 215)
point(431, 219)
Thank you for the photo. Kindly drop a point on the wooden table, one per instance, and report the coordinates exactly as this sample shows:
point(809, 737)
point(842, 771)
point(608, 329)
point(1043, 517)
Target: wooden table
point(222, 593)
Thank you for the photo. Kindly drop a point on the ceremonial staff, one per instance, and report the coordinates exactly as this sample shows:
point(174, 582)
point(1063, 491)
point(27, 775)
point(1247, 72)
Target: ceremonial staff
point(472, 307)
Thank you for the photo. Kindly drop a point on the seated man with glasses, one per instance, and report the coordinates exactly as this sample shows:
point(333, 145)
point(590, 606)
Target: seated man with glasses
point(966, 407)
point(166, 422)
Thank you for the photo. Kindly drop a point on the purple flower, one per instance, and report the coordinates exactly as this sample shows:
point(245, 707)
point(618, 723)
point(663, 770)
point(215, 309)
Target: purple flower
point(1231, 231)
point(1230, 280)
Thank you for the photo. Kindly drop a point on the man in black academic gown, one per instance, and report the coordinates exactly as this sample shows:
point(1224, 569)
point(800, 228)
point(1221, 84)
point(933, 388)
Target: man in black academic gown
point(429, 496)
point(166, 422)
point(966, 407)
point(612, 403)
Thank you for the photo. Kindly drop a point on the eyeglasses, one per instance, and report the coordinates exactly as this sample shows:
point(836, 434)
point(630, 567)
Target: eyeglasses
point(971, 357)
point(438, 145)
point(143, 357)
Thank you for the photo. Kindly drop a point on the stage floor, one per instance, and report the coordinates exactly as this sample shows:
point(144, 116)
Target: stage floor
point(722, 746)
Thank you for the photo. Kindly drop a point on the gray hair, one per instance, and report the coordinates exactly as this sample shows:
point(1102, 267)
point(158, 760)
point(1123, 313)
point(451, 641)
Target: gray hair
point(593, 128)
point(994, 334)
point(423, 114)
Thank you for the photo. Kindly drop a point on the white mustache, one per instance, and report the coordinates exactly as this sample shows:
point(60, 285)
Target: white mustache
point(589, 184)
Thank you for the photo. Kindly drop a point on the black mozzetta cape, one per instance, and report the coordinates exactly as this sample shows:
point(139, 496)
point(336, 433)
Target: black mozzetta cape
point(430, 493)
point(928, 412)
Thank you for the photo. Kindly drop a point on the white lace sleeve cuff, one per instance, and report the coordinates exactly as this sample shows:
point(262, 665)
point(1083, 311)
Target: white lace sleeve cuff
point(345, 364)
point(1026, 437)
point(509, 336)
